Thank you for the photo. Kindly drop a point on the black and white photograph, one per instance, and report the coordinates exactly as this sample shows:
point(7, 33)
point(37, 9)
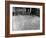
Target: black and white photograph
point(25, 19)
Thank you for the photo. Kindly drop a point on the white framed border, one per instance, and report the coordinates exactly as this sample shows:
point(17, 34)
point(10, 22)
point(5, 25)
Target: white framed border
point(27, 6)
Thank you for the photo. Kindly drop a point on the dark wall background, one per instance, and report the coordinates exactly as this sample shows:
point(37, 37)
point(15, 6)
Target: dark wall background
point(26, 11)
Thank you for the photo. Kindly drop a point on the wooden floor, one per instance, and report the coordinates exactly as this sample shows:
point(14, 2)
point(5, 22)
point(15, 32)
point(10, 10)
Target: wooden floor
point(25, 22)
